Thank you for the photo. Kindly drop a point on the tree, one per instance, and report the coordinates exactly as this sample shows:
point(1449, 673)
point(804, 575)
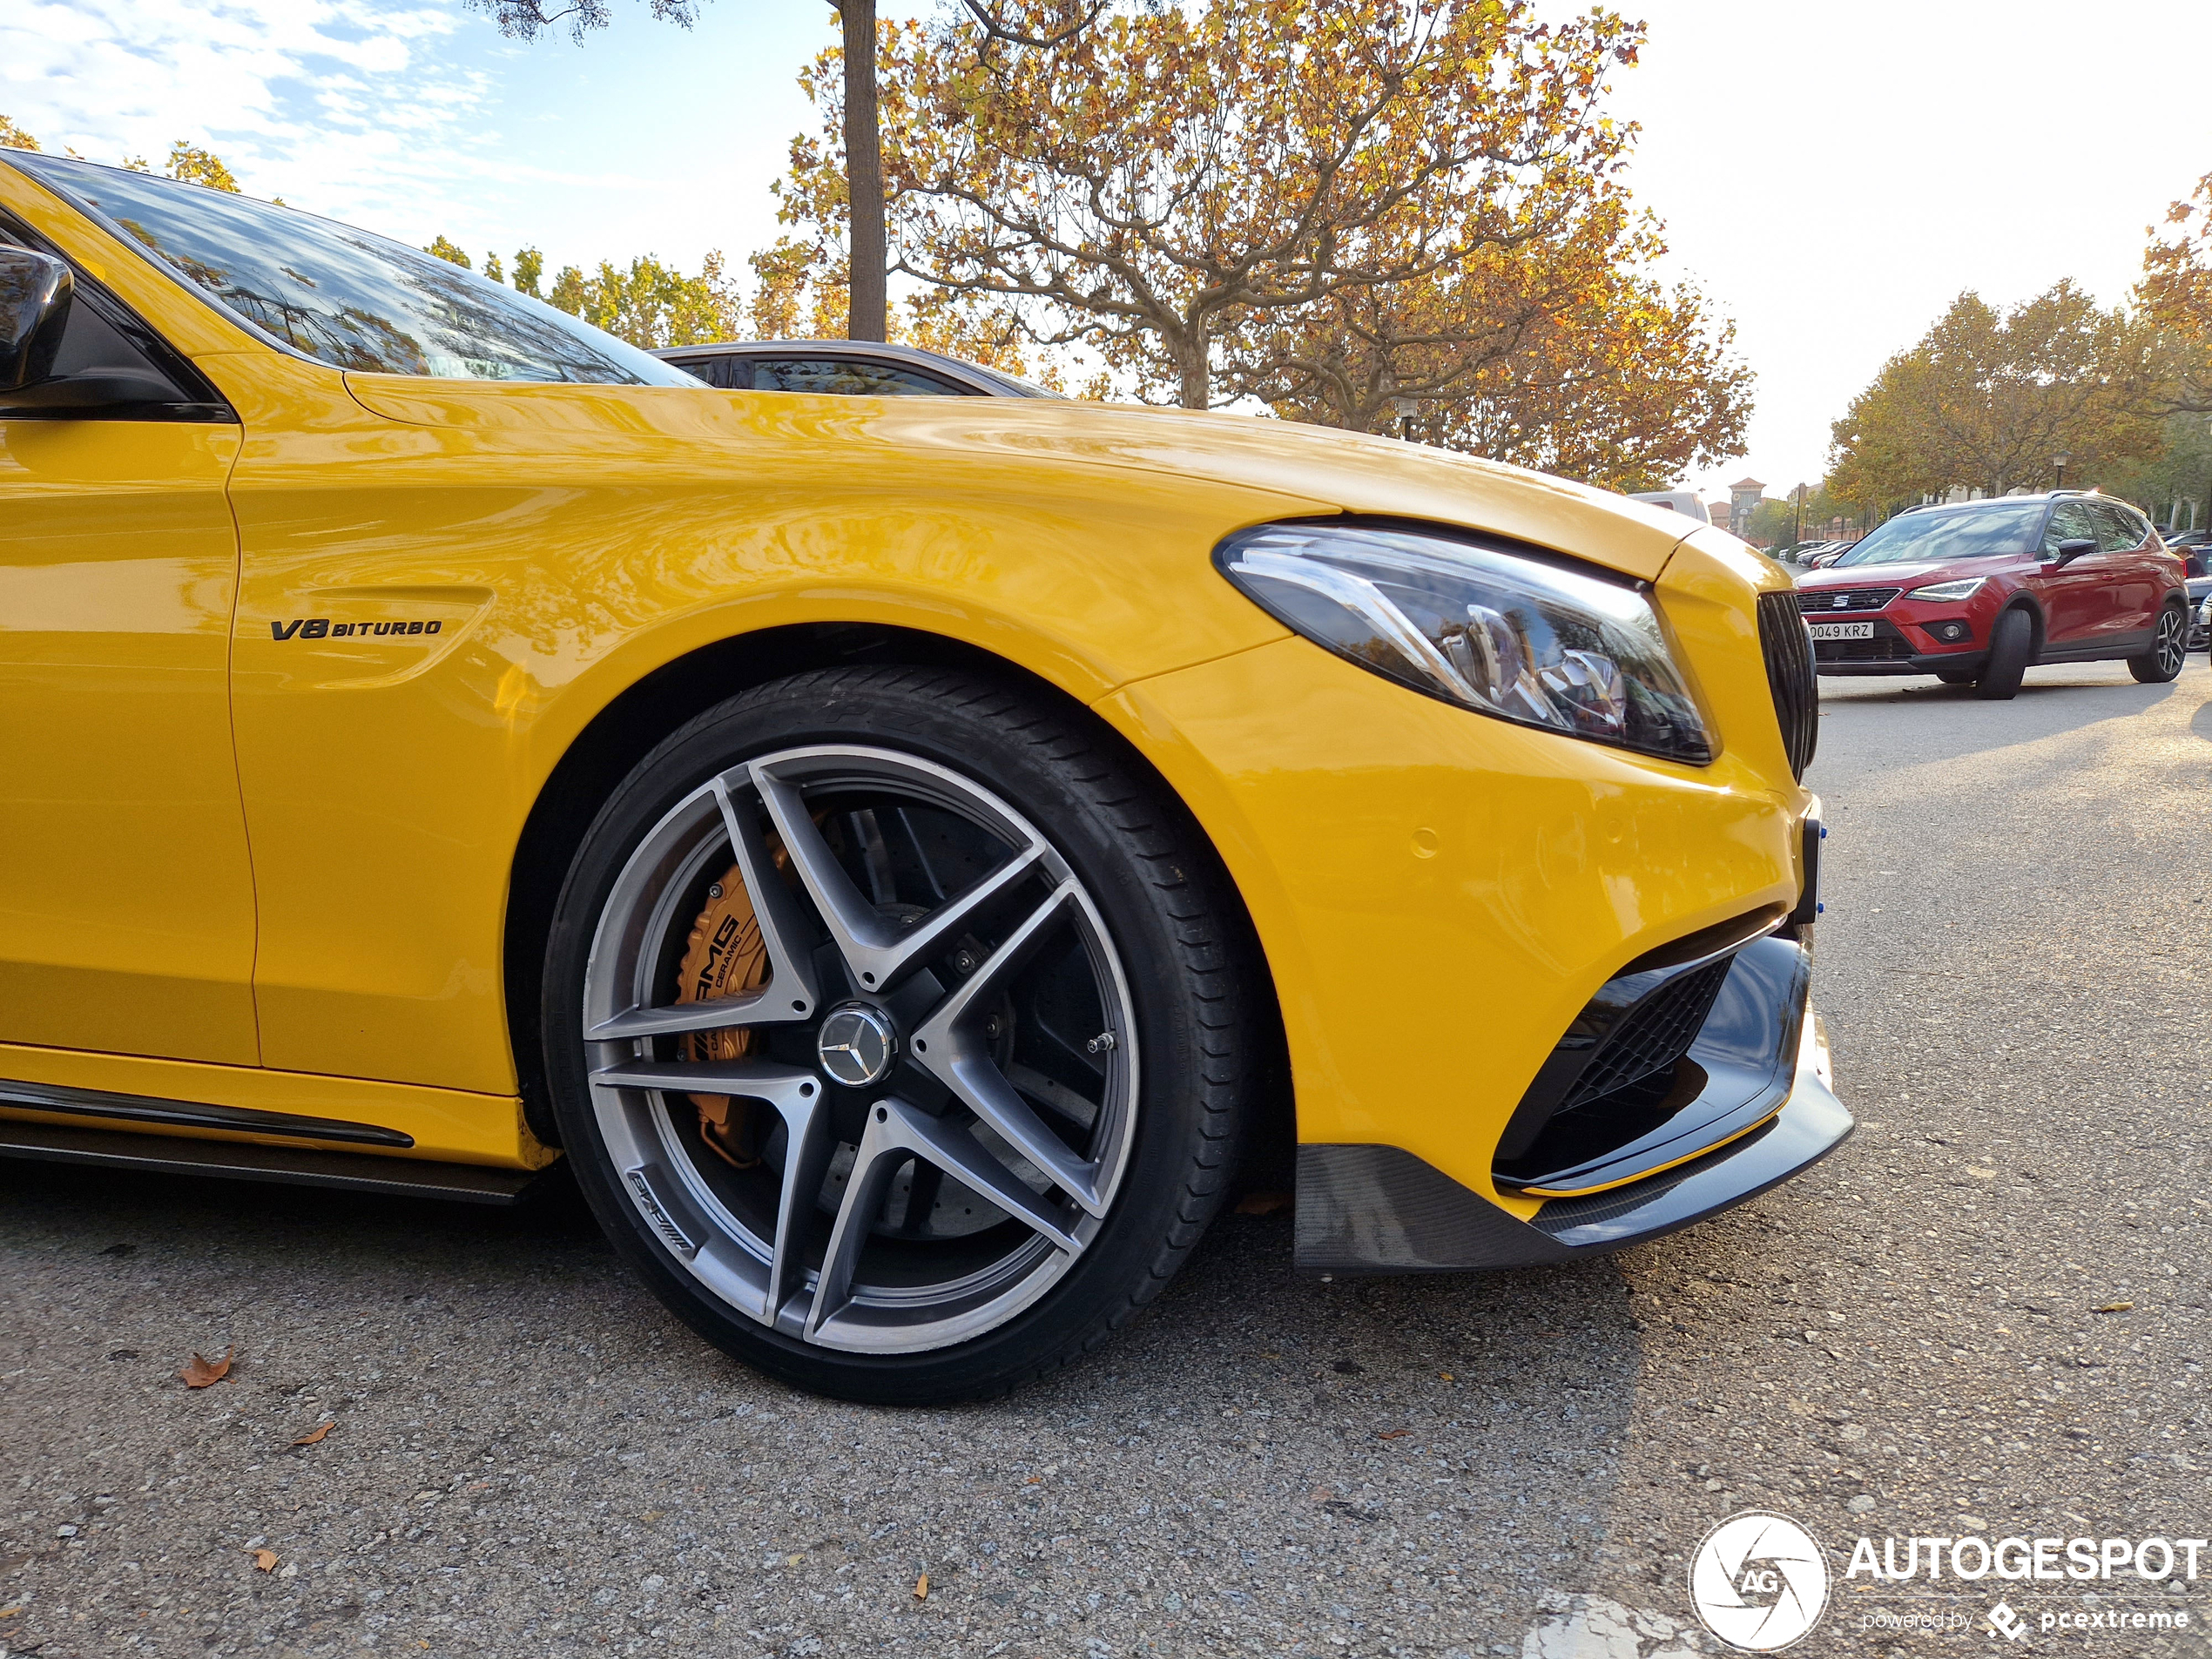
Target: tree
point(653, 305)
point(1991, 399)
point(198, 166)
point(2175, 296)
point(444, 247)
point(866, 296)
point(14, 138)
point(1149, 184)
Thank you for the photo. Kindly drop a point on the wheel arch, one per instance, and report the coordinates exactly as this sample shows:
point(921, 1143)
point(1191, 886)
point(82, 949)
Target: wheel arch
point(2024, 600)
point(602, 754)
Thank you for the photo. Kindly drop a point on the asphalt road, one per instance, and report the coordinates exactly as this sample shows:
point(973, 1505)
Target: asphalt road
point(529, 1457)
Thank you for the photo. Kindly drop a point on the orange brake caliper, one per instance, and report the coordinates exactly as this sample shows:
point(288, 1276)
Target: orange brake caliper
point(724, 957)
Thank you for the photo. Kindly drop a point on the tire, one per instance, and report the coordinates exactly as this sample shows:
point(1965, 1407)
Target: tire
point(1955, 676)
point(2169, 648)
point(870, 1217)
point(2012, 642)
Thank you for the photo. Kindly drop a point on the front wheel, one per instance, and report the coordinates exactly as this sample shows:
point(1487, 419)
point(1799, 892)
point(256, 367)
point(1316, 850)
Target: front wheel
point(2011, 643)
point(897, 1028)
point(2169, 648)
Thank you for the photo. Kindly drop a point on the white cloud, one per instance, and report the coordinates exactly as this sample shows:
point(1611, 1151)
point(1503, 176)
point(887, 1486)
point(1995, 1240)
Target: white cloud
point(331, 104)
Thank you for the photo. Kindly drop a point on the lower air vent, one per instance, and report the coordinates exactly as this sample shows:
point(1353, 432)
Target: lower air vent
point(1654, 1034)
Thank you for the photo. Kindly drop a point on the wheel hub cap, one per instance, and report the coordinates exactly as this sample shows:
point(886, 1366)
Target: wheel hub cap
point(857, 1045)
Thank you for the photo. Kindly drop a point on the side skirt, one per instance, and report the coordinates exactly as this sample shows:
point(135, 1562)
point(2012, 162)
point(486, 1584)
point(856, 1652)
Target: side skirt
point(300, 1166)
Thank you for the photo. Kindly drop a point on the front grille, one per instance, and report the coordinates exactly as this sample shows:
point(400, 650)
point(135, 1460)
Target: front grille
point(1887, 645)
point(1822, 601)
point(1788, 648)
point(1656, 1032)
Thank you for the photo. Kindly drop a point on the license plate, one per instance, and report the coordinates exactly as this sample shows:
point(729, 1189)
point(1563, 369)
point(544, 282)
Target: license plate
point(1842, 630)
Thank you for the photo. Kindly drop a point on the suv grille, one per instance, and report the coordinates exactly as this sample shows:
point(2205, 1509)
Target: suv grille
point(1821, 601)
point(1788, 648)
point(1887, 645)
point(1657, 1032)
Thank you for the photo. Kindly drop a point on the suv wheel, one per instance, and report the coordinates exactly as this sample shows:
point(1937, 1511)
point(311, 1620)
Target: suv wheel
point(896, 1030)
point(2011, 643)
point(2169, 648)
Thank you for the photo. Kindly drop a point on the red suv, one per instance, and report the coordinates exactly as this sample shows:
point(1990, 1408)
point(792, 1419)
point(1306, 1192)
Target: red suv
point(1977, 592)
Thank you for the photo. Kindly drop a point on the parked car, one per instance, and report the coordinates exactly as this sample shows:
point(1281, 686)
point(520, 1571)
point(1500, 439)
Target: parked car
point(1822, 557)
point(847, 367)
point(905, 857)
point(1975, 593)
point(1687, 503)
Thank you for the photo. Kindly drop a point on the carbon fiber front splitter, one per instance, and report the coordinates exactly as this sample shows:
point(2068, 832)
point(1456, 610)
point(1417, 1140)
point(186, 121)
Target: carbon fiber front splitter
point(1381, 1210)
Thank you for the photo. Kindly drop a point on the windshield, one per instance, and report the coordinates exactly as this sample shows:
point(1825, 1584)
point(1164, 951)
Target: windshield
point(1938, 538)
point(346, 297)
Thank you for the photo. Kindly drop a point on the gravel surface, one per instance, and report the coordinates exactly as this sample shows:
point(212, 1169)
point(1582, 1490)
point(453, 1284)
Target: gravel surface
point(529, 1457)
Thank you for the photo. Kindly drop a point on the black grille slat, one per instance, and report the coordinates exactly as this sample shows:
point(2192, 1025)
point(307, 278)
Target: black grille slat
point(1788, 648)
point(1821, 602)
point(1656, 1032)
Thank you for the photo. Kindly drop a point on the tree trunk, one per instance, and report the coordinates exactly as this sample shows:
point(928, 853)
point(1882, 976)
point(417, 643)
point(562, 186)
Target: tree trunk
point(868, 317)
point(1197, 391)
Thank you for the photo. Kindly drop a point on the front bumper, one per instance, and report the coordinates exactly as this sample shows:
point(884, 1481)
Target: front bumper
point(1381, 1210)
point(1901, 644)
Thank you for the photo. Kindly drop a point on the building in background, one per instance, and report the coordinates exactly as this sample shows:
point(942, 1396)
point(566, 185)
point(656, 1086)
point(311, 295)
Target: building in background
point(1742, 496)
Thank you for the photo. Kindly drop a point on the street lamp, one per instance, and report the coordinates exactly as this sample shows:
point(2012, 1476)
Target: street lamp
point(2059, 461)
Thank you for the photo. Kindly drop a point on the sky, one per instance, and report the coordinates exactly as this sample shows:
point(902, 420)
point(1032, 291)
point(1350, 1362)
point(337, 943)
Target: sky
point(1831, 176)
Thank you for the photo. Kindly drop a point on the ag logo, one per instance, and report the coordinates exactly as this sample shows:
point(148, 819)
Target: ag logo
point(1759, 1581)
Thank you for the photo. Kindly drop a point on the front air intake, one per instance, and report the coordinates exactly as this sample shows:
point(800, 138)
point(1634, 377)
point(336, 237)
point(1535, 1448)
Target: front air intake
point(1788, 648)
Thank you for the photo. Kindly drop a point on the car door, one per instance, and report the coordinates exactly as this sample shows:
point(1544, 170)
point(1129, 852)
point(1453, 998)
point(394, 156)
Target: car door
point(2074, 596)
point(126, 900)
point(2134, 576)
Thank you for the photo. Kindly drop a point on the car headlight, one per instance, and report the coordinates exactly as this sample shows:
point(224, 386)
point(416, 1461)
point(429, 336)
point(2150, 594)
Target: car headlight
point(1522, 638)
point(1962, 589)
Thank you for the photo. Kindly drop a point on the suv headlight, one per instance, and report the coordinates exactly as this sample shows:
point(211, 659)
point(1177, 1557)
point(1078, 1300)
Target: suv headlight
point(1962, 589)
point(1520, 637)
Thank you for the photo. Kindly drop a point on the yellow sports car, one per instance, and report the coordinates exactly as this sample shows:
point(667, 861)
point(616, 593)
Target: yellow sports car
point(909, 854)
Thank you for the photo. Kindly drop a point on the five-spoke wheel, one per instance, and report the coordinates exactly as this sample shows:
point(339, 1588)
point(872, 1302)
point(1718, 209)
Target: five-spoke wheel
point(860, 1046)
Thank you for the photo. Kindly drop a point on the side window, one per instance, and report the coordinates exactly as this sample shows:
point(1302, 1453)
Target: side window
point(2070, 522)
point(846, 377)
point(728, 373)
point(2115, 534)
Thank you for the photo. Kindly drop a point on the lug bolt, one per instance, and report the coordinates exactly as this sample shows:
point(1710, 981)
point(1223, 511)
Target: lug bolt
point(714, 892)
point(965, 961)
point(992, 1027)
point(1100, 1043)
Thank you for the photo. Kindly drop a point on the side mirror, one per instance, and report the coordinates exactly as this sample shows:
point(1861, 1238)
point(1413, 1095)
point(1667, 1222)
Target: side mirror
point(35, 292)
point(2074, 547)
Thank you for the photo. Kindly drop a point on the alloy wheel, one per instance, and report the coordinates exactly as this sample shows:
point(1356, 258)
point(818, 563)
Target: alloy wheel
point(931, 1067)
point(2173, 643)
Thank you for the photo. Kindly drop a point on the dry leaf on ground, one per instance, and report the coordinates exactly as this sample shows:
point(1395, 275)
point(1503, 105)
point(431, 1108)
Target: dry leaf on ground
point(2115, 1307)
point(921, 1587)
point(264, 1560)
point(203, 1371)
point(313, 1436)
point(1393, 1433)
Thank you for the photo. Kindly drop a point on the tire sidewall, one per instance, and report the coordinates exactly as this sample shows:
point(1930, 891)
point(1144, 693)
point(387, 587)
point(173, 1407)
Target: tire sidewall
point(960, 728)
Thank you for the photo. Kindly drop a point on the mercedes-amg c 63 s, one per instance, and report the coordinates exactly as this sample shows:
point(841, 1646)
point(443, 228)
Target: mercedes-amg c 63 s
point(906, 854)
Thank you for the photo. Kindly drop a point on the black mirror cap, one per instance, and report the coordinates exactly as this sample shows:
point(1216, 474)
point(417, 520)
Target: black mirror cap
point(2074, 547)
point(35, 292)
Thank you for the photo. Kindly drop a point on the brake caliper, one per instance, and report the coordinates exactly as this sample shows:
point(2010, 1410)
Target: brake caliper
point(724, 957)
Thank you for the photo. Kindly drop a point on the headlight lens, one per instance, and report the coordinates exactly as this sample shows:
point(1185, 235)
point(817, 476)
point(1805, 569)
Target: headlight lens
point(1962, 589)
point(1516, 638)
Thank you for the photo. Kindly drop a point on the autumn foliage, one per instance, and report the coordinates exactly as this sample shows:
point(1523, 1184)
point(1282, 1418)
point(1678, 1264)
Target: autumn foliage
point(1330, 206)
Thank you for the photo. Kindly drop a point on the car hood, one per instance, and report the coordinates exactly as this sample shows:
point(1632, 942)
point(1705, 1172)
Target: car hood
point(1308, 469)
point(1875, 576)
